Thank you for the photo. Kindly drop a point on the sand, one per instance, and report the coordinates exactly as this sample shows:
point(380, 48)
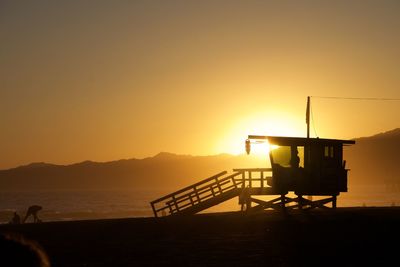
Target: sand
point(345, 237)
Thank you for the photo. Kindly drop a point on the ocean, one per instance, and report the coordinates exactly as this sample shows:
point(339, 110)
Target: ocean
point(104, 204)
point(78, 205)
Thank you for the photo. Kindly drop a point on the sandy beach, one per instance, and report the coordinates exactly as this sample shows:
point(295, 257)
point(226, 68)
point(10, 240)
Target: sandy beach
point(345, 237)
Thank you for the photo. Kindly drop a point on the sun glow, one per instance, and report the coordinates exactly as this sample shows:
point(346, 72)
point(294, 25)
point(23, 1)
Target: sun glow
point(267, 124)
point(259, 148)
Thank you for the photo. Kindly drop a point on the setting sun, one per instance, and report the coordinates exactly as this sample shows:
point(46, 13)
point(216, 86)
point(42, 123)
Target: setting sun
point(260, 148)
point(268, 123)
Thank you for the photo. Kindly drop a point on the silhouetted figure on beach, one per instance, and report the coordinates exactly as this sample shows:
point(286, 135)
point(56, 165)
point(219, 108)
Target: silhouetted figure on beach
point(17, 251)
point(16, 219)
point(32, 211)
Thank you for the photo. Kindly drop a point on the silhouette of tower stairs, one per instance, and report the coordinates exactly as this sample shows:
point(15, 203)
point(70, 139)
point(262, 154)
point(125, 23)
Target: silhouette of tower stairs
point(212, 191)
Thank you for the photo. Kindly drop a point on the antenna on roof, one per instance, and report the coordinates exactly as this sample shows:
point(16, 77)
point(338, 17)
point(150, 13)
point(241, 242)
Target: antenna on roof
point(308, 116)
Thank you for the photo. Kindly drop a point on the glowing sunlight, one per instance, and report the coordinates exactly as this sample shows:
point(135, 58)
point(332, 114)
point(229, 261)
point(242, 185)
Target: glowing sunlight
point(269, 124)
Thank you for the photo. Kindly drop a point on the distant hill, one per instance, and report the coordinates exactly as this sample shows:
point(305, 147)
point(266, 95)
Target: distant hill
point(375, 159)
point(164, 170)
point(372, 160)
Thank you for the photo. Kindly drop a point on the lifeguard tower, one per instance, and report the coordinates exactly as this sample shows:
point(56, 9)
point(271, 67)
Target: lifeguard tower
point(299, 166)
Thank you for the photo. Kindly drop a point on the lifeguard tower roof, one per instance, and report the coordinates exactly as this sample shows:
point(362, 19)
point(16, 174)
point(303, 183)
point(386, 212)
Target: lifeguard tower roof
point(297, 141)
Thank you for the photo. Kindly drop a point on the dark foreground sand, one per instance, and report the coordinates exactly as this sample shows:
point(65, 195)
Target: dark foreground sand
point(346, 237)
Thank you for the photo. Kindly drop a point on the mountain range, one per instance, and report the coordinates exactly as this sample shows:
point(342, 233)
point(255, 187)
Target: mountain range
point(375, 160)
point(164, 170)
point(372, 160)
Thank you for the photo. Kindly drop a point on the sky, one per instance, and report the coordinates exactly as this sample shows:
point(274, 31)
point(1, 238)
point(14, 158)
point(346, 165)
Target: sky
point(106, 80)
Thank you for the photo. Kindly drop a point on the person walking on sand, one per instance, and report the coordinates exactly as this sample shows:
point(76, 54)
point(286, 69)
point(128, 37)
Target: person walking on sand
point(32, 211)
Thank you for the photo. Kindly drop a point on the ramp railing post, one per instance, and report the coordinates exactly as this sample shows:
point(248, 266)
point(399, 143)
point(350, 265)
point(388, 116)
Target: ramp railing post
point(212, 190)
point(197, 194)
point(154, 210)
point(218, 185)
point(175, 203)
point(250, 180)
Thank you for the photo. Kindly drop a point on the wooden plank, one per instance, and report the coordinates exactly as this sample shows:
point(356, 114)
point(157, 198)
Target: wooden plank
point(271, 204)
point(262, 179)
point(218, 185)
point(197, 194)
point(250, 181)
point(253, 170)
point(200, 194)
point(209, 203)
point(212, 190)
point(170, 209)
point(234, 182)
point(199, 191)
point(176, 204)
point(300, 141)
point(191, 199)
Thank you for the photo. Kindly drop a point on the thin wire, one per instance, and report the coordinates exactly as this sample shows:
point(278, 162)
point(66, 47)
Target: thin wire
point(348, 98)
point(358, 98)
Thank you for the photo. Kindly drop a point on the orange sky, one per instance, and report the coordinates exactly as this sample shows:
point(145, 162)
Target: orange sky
point(102, 80)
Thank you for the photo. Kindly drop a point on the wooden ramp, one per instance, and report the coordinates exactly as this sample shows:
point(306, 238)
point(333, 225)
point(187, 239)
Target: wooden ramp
point(209, 192)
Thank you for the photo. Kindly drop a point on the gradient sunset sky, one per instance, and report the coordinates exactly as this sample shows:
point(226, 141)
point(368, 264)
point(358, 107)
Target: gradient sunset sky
point(105, 80)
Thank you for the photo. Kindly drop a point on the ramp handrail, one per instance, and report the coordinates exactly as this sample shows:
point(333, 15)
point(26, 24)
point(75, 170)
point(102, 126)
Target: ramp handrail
point(190, 187)
point(206, 189)
point(196, 193)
